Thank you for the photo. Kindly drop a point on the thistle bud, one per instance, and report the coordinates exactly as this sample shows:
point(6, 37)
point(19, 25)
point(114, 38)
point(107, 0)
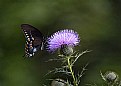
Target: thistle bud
point(66, 50)
point(110, 77)
point(60, 82)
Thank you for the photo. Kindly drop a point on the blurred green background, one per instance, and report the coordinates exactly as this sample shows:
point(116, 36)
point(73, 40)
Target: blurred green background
point(96, 21)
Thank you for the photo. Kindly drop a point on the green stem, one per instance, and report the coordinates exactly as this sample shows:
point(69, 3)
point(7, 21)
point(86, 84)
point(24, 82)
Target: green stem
point(72, 73)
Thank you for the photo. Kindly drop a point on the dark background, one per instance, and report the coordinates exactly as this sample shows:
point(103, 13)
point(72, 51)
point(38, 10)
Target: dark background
point(96, 21)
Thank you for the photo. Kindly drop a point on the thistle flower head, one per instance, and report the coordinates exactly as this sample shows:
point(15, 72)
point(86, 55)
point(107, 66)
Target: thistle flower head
point(60, 82)
point(110, 76)
point(63, 37)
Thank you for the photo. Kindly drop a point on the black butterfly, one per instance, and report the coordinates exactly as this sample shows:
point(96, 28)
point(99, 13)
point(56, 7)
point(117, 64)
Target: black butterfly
point(34, 40)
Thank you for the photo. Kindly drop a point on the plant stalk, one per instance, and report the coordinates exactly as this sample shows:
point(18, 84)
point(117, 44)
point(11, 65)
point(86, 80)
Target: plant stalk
point(72, 72)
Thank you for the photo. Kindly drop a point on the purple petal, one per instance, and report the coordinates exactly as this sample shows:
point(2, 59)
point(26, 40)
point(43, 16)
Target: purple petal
point(68, 37)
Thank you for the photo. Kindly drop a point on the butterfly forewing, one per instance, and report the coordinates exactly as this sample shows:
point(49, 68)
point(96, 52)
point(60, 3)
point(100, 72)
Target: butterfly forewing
point(34, 39)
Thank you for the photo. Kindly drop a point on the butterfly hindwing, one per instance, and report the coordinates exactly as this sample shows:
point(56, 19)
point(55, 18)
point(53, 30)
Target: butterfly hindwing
point(34, 39)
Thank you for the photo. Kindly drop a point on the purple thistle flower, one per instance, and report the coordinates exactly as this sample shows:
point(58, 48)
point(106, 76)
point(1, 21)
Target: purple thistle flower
point(63, 37)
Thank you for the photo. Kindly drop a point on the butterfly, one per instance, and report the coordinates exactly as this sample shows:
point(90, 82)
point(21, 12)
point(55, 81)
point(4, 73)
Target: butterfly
point(34, 40)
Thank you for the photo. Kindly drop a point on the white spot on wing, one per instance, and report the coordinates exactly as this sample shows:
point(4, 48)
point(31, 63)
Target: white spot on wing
point(30, 55)
point(27, 36)
point(25, 32)
point(35, 50)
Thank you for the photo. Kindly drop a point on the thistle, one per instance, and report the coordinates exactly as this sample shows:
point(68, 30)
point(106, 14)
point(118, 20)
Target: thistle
point(60, 82)
point(64, 41)
point(111, 78)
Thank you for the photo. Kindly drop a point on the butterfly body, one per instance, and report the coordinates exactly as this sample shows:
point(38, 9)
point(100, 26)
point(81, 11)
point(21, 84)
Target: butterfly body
point(34, 40)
